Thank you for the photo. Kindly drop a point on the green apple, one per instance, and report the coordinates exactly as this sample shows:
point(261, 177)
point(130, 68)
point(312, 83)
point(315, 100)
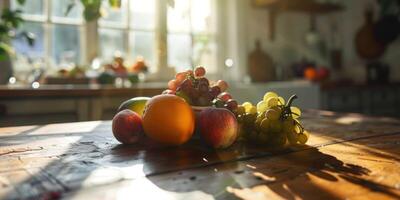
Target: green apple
point(136, 104)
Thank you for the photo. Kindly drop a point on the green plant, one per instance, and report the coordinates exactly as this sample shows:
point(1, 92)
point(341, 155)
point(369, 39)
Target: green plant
point(91, 11)
point(91, 8)
point(10, 21)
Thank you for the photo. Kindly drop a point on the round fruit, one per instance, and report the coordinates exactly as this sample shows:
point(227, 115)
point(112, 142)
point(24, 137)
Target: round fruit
point(269, 94)
point(136, 104)
point(186, 86)
point(310, 73)
point(247, 106)
point(180, 77)
point(203, 88)
point(184, 96)
point(218, 103)
point(199, 71)
point(223, 85)
point(189, 72)
point(203, 81)
point(322, 73)
point(240, 110)
point(214, 91)
point(127, 126)
point(231, 104)
point(253, 110)
point(168, 119)
point(218, 127)
point(172, 85)
point(225, 96)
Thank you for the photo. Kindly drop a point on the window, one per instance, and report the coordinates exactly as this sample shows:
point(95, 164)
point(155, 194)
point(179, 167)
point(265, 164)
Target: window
point(51, 31)
point(130, 30)
point(191, 34)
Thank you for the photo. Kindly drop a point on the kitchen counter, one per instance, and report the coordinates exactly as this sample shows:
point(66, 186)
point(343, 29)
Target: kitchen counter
point(356, 86)
point(22, 105)
point(347, 156)
point(308, 92)
point(371, 99)
point(79, 90)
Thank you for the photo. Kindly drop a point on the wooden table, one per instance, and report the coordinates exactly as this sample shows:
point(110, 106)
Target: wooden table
point(348, 156)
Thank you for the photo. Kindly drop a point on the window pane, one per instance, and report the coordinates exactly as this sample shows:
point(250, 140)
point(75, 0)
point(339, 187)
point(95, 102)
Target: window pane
point(201, 16)
point(179, 51)
point(205, 52)
point(111, 41)
point(32, 7)
point(114, 15)
point(21, 45)
point(142, 14)
point(65, 44)
point(59, 9)
point(142, 45)
point(179, 16)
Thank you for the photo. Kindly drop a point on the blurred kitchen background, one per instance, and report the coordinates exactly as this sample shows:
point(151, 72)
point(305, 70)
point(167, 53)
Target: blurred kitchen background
point(77, 60)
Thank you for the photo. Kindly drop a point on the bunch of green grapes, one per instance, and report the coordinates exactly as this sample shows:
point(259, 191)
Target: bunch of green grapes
point(271, 121)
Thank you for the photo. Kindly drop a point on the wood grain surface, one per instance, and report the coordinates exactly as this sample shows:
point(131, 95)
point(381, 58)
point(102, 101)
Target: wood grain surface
point(348, 156)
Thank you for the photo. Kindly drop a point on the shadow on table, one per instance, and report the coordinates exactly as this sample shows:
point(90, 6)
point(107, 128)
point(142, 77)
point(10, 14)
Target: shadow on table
point(72, 158)
point(89, 159)
point(286, 175)
point(96, 160)
point(311, 174)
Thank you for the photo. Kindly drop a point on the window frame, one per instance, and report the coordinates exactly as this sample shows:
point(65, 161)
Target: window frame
point(48, 21)
point(89, 34)
point(127, 29)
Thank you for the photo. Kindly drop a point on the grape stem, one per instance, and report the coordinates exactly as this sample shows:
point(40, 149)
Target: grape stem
point(300, 126)
point(286, 111)
point(290, 101)
point(289, 112)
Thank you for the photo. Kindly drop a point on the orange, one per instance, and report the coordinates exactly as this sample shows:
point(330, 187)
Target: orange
point(310, 74)
point(168, 119)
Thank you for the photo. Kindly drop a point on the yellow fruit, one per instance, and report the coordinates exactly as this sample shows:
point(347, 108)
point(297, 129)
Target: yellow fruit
point(253, 110)
point(261, 106)
point(247, 106)
point(136, 104)
point(269, 94)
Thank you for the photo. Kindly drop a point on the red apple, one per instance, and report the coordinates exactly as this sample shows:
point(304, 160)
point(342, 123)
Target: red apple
point(127, 127)
point(323, 73)
point(218, 127)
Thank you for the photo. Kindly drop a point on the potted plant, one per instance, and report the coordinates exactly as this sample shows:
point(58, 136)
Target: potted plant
point(10, 21)
point(91, 11)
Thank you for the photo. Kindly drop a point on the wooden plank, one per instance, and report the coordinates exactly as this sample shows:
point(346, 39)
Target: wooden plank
point(78, 156)
point(347, 170)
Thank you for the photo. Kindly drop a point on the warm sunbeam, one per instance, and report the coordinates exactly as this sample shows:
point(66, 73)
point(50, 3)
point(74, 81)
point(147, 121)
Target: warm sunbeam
point(199, 99)
point(70, 128)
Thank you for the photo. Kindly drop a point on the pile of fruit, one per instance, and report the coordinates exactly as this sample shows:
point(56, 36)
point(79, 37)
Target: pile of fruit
point(197, 90)
point(170, 118)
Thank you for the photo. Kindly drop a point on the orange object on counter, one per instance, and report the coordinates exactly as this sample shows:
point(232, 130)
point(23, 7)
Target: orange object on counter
point(139, 65)
point(310, 73)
